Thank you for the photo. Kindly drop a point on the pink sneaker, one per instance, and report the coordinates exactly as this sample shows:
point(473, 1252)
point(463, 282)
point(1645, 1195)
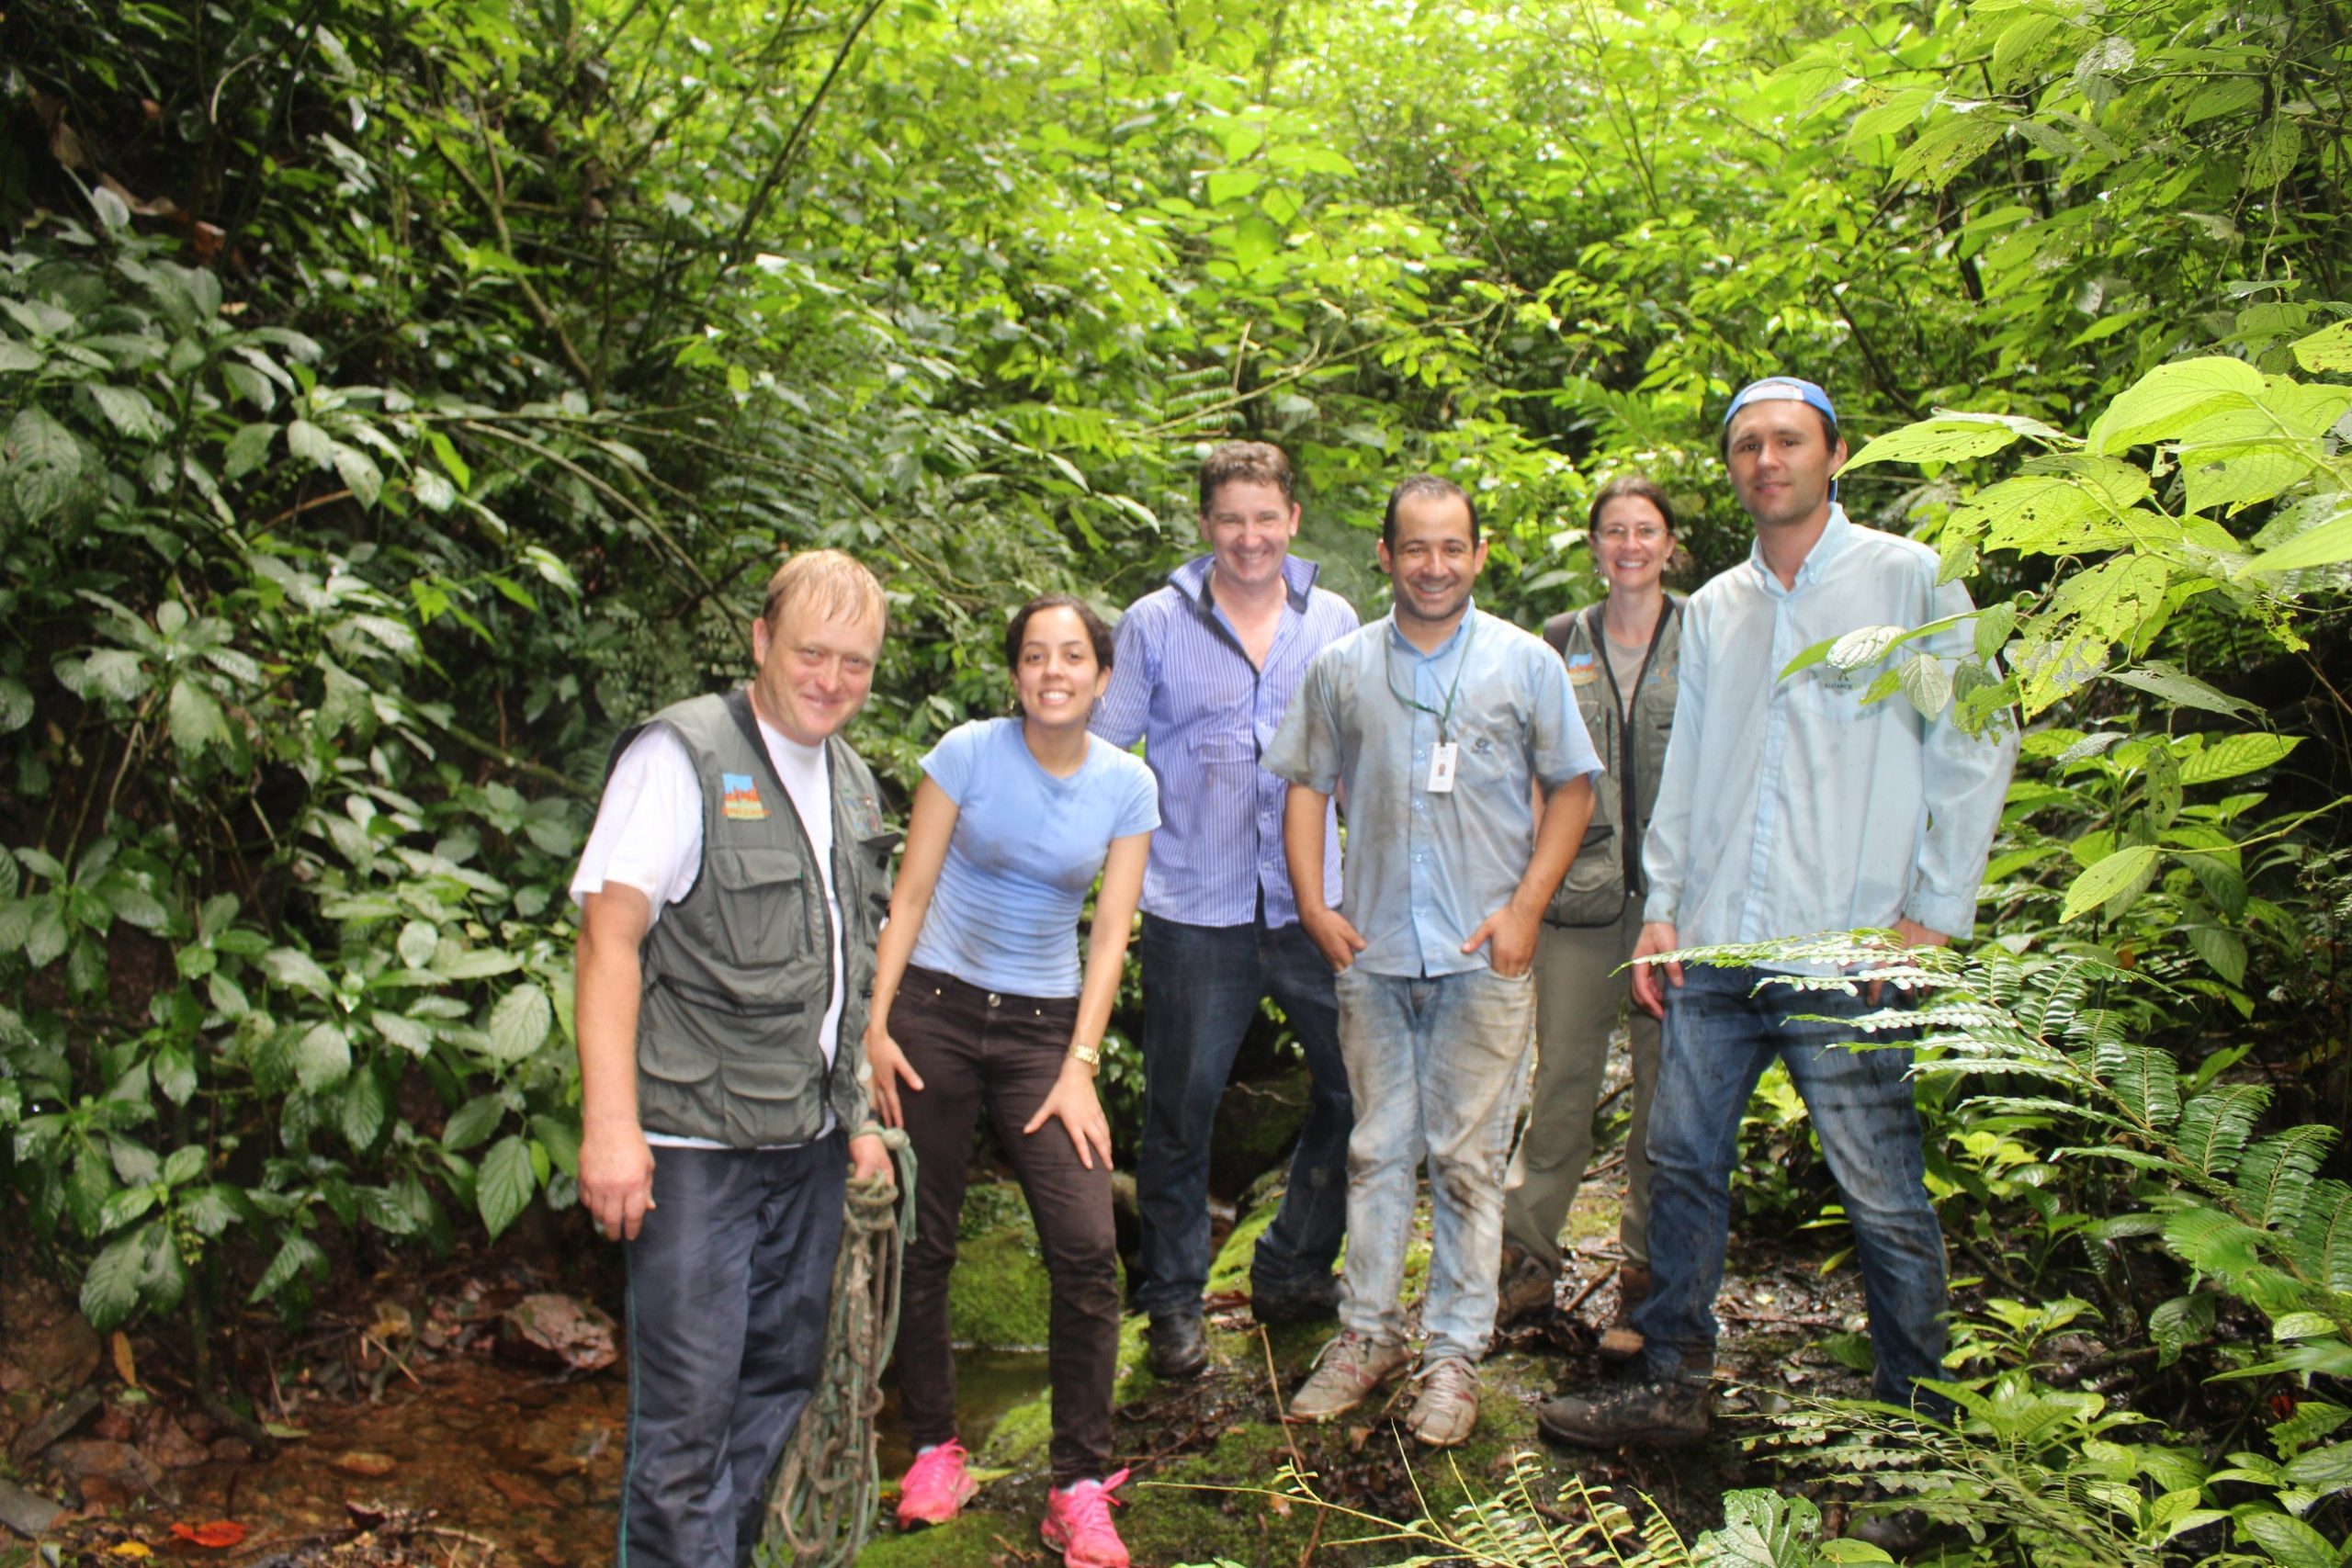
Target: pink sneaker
point(1078, 1524)
point(937, 1487)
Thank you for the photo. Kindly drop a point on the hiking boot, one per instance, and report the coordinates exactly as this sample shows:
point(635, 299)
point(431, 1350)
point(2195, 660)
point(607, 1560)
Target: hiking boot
point(1078, 1524)
point(1620, 1341)
point(1667, 1415)
point(1351, 1367)
point(1447, 1406)
point(937, 1487)
point(1313, 1301)
point(1176, 1347)
point(1524, 1288)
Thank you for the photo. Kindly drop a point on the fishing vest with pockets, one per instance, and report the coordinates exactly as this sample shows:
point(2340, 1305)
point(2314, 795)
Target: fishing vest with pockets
point(1608, 867)
point(738, 975)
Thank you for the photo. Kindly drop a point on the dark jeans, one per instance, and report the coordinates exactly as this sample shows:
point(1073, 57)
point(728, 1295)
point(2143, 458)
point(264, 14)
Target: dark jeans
point(1721, 1033)
point(1201, 986)
point(729, 1283)
point(970, 1046)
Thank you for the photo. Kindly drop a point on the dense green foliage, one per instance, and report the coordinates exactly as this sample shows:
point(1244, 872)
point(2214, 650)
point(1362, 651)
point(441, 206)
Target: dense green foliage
point(400, 398)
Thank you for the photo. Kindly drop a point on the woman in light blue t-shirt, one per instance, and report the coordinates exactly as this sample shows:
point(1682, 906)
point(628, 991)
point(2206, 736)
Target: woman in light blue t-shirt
point(980, 999)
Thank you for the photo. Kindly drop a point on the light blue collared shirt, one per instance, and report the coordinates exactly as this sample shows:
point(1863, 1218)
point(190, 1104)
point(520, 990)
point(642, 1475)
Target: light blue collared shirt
point(1424, 869)
point(1788, 808)
point(1206, 715)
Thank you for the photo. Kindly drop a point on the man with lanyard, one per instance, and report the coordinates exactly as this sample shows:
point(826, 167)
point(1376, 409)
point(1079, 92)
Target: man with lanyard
point(1205, 667)
point(1789, 809)
point(1439, 722)
point(730, 896)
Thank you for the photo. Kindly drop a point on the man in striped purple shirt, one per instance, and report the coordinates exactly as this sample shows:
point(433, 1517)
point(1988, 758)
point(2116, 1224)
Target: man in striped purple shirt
point(1205, 667)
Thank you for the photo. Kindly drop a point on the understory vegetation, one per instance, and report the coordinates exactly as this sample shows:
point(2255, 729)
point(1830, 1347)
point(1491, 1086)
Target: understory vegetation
point(398, 399)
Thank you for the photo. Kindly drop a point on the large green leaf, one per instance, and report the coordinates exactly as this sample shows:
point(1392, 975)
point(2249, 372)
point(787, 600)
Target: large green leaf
point(519, 1022)
point(110, 1289)
point(504, 1185)
point(44, 464)
point(2234, 756)
point(2118, 875)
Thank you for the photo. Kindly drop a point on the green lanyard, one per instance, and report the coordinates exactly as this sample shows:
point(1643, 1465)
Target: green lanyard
point(1387, 668)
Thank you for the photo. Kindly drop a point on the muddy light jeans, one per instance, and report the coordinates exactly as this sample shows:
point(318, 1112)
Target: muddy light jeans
point(1437, 1068)
point(1721, 1033)
point(1579, 995)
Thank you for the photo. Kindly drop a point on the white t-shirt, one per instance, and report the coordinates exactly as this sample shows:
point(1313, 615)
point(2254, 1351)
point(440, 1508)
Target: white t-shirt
point(649, 836)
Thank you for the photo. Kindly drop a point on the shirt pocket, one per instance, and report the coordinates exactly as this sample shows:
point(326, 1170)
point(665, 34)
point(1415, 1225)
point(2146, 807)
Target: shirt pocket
point(762, 911)
point(1492, 754)
point(1833, 695)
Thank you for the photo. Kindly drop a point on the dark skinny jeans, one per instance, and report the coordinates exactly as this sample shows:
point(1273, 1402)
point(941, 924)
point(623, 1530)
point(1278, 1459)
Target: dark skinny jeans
point(969, 1047)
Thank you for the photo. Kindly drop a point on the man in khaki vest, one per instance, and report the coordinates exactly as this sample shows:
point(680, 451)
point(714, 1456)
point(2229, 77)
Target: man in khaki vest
point(730, 896)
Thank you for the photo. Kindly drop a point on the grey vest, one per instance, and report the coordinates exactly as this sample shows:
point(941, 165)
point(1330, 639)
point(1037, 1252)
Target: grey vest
point(738, 975)
point(1608, 868)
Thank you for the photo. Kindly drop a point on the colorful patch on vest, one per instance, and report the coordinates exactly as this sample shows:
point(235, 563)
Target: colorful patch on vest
point(739, 799)
point(1582, 670)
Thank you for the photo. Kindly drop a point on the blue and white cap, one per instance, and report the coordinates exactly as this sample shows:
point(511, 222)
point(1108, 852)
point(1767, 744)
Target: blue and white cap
point(1782, 388)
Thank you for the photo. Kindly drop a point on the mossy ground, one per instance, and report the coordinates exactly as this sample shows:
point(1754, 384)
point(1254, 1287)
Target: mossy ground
point(1207, 1456)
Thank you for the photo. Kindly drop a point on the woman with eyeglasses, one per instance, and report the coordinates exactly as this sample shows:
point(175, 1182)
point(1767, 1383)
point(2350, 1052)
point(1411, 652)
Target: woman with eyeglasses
point(1621, 654)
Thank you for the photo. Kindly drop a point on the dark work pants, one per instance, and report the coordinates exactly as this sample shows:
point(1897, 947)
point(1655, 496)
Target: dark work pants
point(1201, 984)
point(728, 1285)
point(971, 1047)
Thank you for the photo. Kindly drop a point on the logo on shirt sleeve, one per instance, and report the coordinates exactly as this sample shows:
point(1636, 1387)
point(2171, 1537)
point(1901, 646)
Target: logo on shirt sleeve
point(740, 798)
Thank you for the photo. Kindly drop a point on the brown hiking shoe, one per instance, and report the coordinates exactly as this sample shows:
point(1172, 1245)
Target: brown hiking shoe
point(1524, 1289)
point(1667, 1414)
point(1620, 1341)
point(1447, 1407)
point(1351, 1367)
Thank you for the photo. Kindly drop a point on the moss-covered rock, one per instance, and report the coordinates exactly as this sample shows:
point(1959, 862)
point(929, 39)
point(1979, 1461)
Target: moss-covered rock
point(997, 1295)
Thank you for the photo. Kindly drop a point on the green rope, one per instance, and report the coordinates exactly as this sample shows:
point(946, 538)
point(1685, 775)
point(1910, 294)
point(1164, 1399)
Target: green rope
point(821, 1508)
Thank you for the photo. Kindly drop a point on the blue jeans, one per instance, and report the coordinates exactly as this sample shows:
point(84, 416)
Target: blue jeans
point(1439, 1067)
point(1200, 987)
point(1721, 1033)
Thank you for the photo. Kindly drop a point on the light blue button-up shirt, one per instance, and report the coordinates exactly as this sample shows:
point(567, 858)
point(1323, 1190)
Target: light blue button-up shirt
point(1206, 714)
point(1424, 869)
point(1788, 808)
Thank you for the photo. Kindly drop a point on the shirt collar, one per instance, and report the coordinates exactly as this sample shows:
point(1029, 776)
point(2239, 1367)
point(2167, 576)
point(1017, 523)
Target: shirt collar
point(1396, 638)
point(1192, 581)
point(1833, 536)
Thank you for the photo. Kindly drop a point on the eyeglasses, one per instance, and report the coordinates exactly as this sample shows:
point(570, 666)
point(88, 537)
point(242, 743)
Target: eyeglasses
point(1617, 534)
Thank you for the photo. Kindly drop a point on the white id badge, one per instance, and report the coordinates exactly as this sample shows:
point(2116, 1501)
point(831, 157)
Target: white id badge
point(1442, 767)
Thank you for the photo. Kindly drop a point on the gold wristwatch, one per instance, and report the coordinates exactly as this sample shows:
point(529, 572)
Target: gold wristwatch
point(1090, 1054)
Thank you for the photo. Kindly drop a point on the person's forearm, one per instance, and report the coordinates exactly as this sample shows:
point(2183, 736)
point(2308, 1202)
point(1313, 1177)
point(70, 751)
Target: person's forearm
point(1106, 954)
point(609, 986)
point(907, 909)
point(1305, 811)
point(1559, 832)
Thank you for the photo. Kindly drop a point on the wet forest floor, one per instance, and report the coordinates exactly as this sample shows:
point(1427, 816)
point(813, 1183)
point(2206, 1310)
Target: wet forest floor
point(477, 1417)
point(474, 1414)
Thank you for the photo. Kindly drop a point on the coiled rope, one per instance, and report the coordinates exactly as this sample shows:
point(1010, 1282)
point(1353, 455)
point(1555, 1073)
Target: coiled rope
point(821, 1508)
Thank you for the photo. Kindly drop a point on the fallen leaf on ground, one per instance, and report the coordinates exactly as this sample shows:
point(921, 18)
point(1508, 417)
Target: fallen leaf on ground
point(216, 1533)
point(126, 1366)
point(357, 1461)
point(130, 1549)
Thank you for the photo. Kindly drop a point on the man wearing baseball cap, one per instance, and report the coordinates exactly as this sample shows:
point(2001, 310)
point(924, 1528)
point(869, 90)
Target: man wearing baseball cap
point(1788, 808)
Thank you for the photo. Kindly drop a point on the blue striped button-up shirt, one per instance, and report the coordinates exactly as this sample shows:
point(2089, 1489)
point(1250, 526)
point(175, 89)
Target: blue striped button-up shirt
point(1206, 715)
